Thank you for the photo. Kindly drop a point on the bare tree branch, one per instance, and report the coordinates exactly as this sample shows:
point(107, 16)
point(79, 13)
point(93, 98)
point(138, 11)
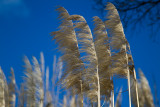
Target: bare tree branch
point(134, 12)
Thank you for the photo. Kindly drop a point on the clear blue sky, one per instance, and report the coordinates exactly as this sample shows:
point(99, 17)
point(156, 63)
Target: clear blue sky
point(25, 26)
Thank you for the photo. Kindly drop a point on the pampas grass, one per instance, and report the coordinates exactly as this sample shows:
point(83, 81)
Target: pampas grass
point(144, 91)
point(73, 65)
point(11, 89)
point(2, 89)
point(118, 43)
point(30, 84)
point(83, 75)
point(29, 90)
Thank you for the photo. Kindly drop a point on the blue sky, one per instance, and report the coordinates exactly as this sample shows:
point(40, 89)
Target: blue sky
point(25, 26)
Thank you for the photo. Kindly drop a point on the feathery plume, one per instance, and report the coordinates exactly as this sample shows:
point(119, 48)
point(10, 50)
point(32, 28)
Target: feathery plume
point(30, 84)
point(47, 79)
point(12, 87)
point(59, 74)
point(118, 42)
point(42, 64)
point(73, 65)
point(104, 56)
point(2, 88)
point(146, 90)
point(87, 47)
point(48, 94)
point(54, 71)
point(39, 82)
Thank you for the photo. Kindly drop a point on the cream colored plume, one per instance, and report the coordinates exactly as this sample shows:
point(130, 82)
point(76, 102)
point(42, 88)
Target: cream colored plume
point(2, 88)
point(12, 89)
point(119, 46)
point(104, 56)
point(118, 42)
point(34, 85)
point(146, 90)
point(30, 84)
point(87, 48)
point(68, 45)
point(38, 72)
